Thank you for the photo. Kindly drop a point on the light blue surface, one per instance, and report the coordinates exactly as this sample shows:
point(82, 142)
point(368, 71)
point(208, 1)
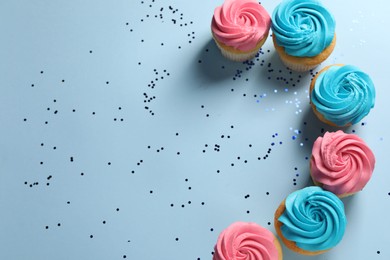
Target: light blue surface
point(81, 126)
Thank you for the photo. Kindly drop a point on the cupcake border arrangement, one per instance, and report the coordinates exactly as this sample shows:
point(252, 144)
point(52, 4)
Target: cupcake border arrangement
point(311, 220)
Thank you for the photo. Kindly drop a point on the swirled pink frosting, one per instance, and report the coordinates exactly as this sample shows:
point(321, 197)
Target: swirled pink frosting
point(241, 24)
point(245, 241)
point(342, 163)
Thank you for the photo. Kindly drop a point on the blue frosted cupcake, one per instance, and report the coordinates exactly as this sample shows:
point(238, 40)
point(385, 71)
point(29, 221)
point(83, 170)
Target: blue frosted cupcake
point(311, 221)
point(342, 95)
point(303, 33)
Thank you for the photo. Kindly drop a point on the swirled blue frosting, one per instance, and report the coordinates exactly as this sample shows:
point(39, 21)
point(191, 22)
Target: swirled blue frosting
point(314, 219)
point(343, 94)
point(303, 27)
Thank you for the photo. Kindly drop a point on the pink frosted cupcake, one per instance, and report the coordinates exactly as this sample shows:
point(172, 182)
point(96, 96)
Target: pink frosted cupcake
point(240, 28)
point(341, 163)
point(242, 240)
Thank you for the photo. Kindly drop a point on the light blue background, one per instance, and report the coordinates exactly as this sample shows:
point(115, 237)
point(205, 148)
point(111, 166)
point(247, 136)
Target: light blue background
point(74, 76)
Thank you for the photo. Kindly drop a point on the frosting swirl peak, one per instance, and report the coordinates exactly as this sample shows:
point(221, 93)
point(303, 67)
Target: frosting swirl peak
point(343, 94)
point(303, 27)
point(342, 163)
point(314, 219)
point(246, 241)
point(241, 24)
